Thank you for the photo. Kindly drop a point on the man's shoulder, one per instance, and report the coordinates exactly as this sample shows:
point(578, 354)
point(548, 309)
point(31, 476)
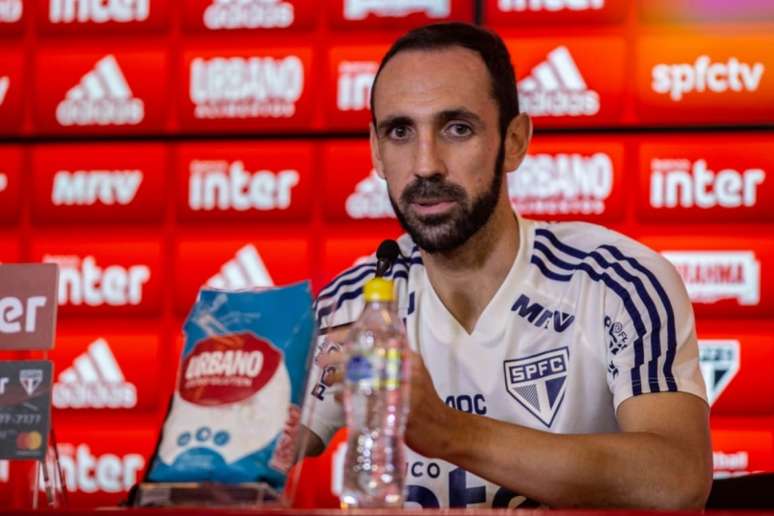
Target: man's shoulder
point(341, 300)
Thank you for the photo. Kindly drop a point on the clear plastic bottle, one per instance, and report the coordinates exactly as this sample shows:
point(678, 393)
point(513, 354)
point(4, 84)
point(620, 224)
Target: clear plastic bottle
point(376, 395)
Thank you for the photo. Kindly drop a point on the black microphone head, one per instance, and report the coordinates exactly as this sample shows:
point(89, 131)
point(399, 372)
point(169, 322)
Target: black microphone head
point(386, 254)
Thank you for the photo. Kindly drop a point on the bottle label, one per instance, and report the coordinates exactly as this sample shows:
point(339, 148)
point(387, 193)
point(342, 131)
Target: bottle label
point(359, 368)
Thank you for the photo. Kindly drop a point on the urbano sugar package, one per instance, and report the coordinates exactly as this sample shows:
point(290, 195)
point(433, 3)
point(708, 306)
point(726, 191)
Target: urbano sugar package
point(237, 405)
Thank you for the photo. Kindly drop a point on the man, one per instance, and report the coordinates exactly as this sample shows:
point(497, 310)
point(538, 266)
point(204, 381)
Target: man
point(554, 362)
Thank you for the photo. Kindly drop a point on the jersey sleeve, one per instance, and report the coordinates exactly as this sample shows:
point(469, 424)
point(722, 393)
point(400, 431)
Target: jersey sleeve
point(649, 328)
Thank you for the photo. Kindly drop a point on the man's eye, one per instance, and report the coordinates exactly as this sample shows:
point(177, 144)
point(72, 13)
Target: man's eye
point(398, 133)
point(460, 129)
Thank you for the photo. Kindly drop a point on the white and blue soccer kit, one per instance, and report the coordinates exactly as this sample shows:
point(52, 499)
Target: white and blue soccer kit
point(585, 319)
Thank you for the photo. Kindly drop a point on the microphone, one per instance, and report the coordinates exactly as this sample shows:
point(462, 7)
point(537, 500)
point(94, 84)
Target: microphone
point(386, 254)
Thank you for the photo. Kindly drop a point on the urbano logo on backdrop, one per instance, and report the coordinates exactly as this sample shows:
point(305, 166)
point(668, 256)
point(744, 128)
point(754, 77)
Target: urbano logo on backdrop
point(266, 88)
point(569, 179)
point(113, 92)
point(106, 182)
point(245, 181)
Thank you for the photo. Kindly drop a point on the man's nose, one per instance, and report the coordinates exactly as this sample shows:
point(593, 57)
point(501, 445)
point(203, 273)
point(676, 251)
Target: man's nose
point(427, 158)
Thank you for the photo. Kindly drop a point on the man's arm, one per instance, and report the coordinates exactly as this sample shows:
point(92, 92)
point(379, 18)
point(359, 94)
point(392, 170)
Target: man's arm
point(660, 459)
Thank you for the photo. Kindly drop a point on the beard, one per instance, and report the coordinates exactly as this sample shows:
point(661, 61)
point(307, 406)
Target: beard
point(447, 231)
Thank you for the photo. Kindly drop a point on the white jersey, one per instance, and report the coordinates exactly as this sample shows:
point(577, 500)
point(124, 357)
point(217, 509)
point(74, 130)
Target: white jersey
point(585, 319)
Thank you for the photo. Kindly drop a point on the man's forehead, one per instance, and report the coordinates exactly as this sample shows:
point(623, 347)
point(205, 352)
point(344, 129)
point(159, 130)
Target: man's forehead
point(433, 80)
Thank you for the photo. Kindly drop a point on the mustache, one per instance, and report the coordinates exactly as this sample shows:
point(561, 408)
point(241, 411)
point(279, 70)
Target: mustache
point(434, 188)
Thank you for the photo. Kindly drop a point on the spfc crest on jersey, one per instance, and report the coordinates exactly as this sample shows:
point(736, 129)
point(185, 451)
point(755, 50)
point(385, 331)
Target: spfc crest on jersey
point(719, 361)
point(538, 382)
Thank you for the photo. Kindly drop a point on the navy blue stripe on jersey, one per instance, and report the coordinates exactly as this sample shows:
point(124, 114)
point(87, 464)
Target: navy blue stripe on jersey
point(671, 327)
point(334, 282)
point(548, 272)
point(655, 330)
point(631, 309)
point(650, 306)
point(331, 293)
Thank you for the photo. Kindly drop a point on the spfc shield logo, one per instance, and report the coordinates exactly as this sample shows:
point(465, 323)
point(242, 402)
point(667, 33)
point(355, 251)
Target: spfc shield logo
point(538, 382)
point(719, 361)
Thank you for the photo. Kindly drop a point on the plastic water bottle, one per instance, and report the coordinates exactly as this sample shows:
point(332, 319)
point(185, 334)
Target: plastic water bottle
point(376, 395)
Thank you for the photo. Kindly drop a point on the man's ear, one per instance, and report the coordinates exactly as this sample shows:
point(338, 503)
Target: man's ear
point(376, 156)
point(517, 138)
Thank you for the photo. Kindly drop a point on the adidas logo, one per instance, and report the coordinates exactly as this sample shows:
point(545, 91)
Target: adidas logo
point(103, 97)
point(246, 270)
point(370, 199)
point(556, 88)
point(94, 381)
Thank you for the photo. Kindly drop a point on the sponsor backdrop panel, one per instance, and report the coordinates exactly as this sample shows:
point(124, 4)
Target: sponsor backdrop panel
point(689, 79)
point(735, 365)
point(688, 11)
point(729, 277)
point(250, 181)
point(269, 89)
point(11, 163)
point(12, 87)
point(101, 464)
point(100, 276)
point(10, 251)
point(96, 182)
point(351, 71)
point(238, 263)
point(217, 16)
point(570, 178)
point(737, 452)
point(68, 17)
point(520, 13)
point(111, 371)
point(707, 178)
point(387, 14)
point(569, 81)
point(87, 92)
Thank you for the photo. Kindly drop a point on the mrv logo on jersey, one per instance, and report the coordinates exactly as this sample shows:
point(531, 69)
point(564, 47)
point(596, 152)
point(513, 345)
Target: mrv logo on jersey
point(103, 97)
point(223, 185)
point(98, 11)
point(360, 9)
point(542, 317)
point(246, 87)
point(248, 14)
point(686, 183)
point(719, 361)
point(557, 88)
point(353, 92)
point(703, 75)
point(549, 5)
point(712, 276)
point(94, 381)
point(538, 382)
point(562, 183)
point(88, 187)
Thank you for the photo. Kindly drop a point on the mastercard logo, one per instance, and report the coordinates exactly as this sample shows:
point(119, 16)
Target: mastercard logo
point(29, 441)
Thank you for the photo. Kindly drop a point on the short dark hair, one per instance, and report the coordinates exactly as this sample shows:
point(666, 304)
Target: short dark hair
point(486, 43)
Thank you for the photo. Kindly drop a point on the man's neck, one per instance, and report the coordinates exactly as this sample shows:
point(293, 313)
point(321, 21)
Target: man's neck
point(467, 278)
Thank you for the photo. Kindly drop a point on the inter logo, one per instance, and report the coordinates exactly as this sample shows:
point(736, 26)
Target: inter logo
point(538, 382)
point(719, 360)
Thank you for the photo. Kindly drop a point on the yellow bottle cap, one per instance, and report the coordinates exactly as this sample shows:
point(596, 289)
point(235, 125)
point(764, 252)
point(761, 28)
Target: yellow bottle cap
point(378, 289)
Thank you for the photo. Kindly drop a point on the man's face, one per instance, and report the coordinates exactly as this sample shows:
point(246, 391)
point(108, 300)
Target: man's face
point(437, 143)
